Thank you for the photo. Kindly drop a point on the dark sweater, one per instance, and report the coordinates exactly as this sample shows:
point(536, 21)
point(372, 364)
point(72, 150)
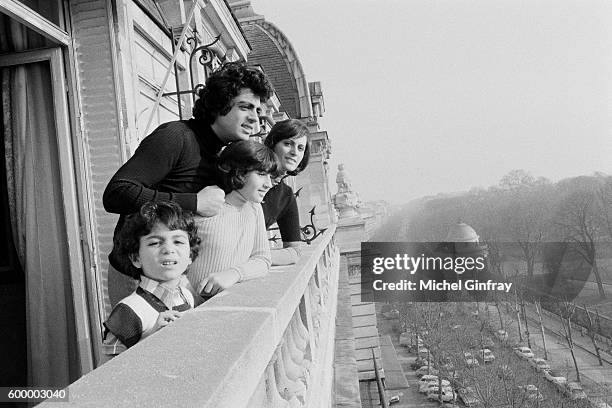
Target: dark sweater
point(173, 163)
point(279, 206)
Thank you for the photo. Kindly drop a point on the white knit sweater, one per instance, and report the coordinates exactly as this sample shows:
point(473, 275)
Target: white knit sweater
point(236, 239)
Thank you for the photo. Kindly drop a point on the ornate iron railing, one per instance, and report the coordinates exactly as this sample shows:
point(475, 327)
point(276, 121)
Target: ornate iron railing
point(205, 59)
point(309, 232)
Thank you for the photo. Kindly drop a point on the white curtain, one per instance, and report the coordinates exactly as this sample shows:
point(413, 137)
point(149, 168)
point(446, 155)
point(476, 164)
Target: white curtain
point(37, 220)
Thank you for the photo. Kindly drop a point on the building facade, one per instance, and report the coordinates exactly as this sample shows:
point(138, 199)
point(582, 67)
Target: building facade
point(83, 82)
point(299, 99)
point(81, 86)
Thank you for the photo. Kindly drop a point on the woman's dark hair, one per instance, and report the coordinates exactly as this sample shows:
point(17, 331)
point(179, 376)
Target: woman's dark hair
point(241, 157)
point(224, 85)
point(137, 225)
point(288, 129)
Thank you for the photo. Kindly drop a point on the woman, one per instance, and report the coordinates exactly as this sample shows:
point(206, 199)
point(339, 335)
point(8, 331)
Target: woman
point(289, 140)
point(234, 242)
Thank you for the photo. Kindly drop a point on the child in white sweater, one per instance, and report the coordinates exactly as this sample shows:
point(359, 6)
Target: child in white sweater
point(234, 242)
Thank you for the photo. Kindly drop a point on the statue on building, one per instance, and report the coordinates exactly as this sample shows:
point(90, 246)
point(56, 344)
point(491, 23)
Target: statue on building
point(346, 201)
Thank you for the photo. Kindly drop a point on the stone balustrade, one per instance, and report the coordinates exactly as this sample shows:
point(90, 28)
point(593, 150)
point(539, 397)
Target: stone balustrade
point(268, 342)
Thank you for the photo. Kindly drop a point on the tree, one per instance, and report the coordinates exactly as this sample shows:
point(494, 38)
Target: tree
point(580, 220)
point(567, 312)
point(591, 333)
point(531, 210)
point(526, 209)
point(538, 307)
point(517, 178)
point(604, 195)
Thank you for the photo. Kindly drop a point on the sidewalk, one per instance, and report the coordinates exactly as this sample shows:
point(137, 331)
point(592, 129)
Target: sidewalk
point(554, 325)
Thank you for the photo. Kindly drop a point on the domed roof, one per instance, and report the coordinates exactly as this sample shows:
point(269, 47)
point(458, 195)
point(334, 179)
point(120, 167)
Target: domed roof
point(273, 51)
point(461, 232)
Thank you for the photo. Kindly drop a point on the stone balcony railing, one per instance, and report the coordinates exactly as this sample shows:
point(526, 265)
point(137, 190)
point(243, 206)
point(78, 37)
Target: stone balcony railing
point(263, 343)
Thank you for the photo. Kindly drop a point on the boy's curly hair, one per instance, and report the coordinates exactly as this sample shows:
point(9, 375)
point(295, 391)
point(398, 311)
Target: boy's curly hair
point(241, 157)
point(225, 84)
point(137, 225)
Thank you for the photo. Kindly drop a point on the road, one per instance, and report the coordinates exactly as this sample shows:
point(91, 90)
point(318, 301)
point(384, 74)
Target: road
point(595, 379)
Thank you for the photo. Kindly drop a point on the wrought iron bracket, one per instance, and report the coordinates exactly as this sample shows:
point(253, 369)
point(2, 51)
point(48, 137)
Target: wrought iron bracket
point(205, 59)
point(309, 231)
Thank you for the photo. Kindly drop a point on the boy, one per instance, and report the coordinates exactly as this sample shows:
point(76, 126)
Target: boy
point(155, 245)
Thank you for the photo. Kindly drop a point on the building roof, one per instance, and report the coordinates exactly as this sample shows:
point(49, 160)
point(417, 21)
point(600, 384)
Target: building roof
point(274, 52)
point(266, 53)
point(461, 232)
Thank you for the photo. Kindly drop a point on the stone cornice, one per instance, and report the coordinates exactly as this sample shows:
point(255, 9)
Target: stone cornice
point(231, 33)
point(293, 63)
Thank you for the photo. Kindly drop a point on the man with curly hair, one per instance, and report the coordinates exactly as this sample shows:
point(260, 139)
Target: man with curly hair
point(177, 161)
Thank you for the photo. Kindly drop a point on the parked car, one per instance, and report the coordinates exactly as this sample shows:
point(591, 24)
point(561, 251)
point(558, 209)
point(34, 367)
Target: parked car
point(505, 372)
point(524, 352)
point(420, 362)
point(468, 396)
point(502, 335)
point(427, 378)
point(556, 377)
point(426, 370)
point(531, 392)
point(447, 394)
point(426, 386)
point(539, 364)
point(574, 391)
point(486, 355)
point(469, 359)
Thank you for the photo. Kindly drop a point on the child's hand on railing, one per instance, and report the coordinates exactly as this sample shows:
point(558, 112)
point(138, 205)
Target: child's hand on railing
point(167, 317)
point(218, 282)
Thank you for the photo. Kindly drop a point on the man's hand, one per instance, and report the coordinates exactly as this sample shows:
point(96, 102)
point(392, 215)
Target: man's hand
point(210, 200)
point(218, 282)
point(166, 317)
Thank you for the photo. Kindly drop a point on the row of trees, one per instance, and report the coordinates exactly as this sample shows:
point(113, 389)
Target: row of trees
point(449, 330)
point(523, 210)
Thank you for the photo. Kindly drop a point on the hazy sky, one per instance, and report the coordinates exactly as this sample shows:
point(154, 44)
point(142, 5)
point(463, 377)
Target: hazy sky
point(428, 96)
